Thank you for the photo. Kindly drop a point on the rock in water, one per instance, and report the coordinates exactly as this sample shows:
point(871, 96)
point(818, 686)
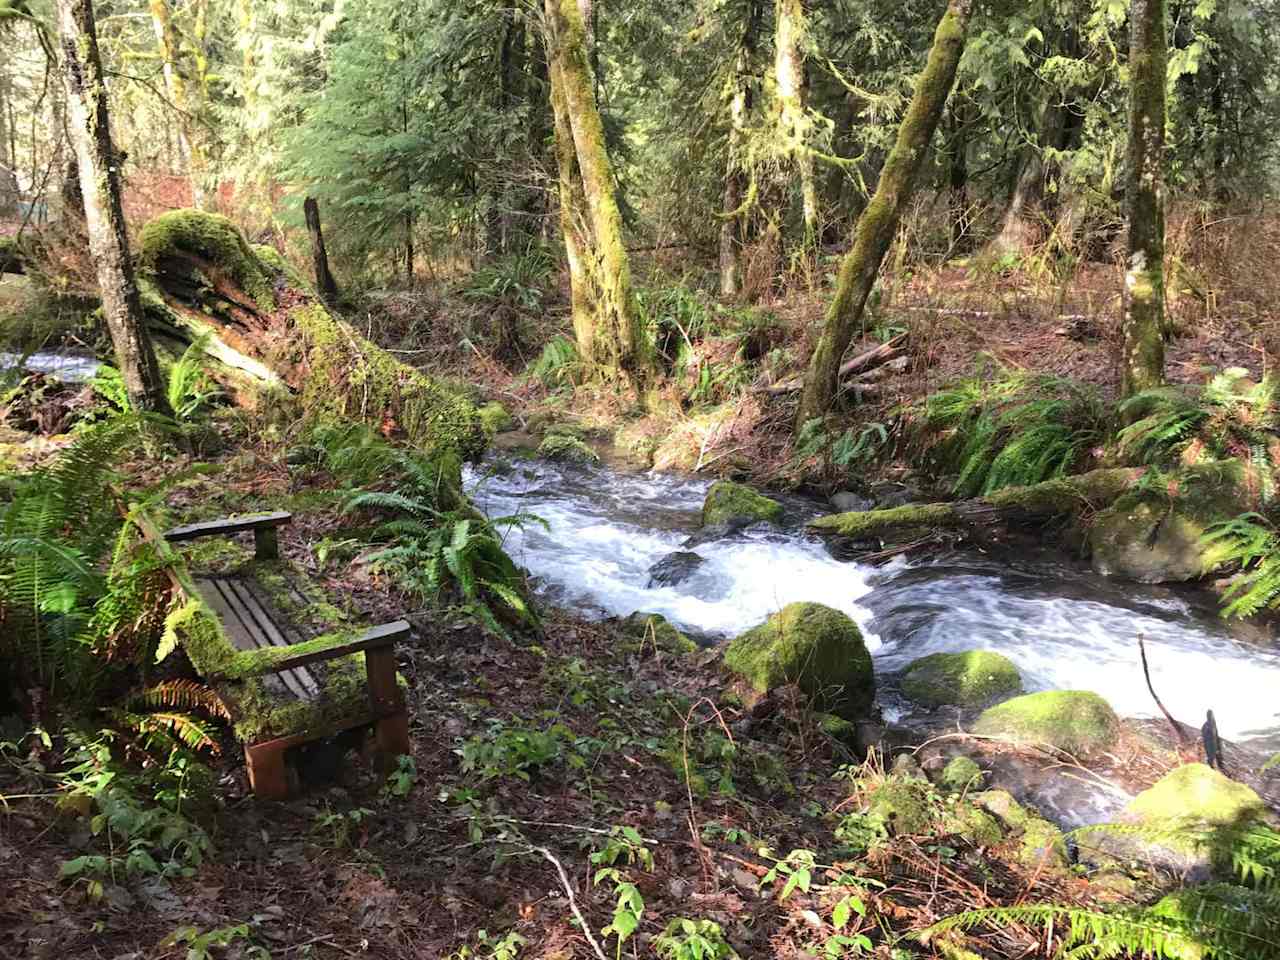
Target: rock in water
point(729, 502)
point(1076, 721)
point(1188, 822)
point(674, 568)
point(846, 501)
point(969, 678)
point(819, 649)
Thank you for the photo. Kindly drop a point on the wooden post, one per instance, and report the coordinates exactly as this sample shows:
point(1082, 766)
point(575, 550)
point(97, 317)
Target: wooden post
point(392, 730)
point(326, 286)
point(266, 543)
point(268, 772)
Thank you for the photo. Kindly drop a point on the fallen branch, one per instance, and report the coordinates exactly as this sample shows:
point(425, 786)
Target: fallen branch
point(573, 901)
point(1183, 746)
point(867, 360)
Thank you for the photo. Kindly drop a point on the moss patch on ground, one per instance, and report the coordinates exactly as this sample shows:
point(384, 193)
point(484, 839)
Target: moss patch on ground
point(969, 678)
point(818, 648)
point(1076, 721)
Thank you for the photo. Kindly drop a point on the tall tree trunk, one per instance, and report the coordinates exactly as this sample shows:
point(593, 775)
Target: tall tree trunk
point(326, 286)
point(90, 131)
point(8, 170)
point(1018, 230)
point(879, 221)
point(1142, 361)
point(617, 345)
point(793, 121)
point(190, 145)
point(736, 177)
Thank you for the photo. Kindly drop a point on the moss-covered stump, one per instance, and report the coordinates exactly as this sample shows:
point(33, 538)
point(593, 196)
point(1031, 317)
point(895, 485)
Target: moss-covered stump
point(1075, 721)
point(1189, 823)
point(732, 503)
point(652, 630)
point(200, 278)
point(970, 678)
point(566, 449)
point(1149, 538)
point(817, 648)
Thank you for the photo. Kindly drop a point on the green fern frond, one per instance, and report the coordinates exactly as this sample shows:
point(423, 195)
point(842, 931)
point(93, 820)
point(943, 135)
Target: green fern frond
point(180, 695)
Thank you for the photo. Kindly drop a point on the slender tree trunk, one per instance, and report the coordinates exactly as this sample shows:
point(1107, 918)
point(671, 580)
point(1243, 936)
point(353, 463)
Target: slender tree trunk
point(8, 171)
point(1142, 362)
point(879, 221)
point(793, 121)
point(618, 345)
point(326, 286)
point(736, 178)
point(958, 180)
point(190, 145)
point(100, 183)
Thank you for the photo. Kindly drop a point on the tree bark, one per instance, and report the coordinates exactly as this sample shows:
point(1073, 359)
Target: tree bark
point(616, 344)
point(734, 205)
point(793, 121)
point(100, 183)
point(190, 146)
point(8, 170)
point(879, 221)
point(1142, 361)
point(326, 286)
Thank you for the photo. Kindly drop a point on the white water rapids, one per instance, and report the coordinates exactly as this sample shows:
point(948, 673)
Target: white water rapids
point(70, 367)
point(1063, 626)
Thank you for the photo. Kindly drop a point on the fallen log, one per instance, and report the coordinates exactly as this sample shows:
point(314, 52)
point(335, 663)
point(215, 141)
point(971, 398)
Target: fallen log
point(272, 341)
point(867, 360)
point(1065, 496)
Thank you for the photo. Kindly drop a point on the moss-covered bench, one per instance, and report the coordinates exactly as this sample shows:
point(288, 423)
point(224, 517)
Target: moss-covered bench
point(282, 686)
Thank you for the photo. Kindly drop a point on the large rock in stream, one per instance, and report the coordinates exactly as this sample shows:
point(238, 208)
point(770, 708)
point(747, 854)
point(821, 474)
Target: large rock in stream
point(1075, 721)
point(732, 504)
point(815, 647)
point(968, 679)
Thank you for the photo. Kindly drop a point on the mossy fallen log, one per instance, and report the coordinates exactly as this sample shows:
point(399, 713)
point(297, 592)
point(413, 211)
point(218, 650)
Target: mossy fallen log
point(1065, 496)
point(270, 337)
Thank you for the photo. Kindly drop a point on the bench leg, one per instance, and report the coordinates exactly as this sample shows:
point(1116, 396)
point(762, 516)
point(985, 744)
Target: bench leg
point(391, 739)
point(268, 772)
point(266, 543)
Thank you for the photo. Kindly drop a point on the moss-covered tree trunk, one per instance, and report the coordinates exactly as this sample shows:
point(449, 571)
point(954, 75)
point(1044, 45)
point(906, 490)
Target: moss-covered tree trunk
point(793, 120)
point(8, 166)
point(879, 221)
point(617, 345)
point(181, 92)
point(326, 286)
point(99, 173)
point(735, 204)
point(1142, 362)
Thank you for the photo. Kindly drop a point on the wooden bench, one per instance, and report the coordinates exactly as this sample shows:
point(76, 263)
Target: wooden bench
point(252, 622)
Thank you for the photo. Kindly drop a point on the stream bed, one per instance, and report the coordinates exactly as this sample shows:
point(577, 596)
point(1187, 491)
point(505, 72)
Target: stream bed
point(1064, 626)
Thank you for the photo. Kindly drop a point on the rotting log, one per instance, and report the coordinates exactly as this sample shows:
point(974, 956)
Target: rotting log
point(1061, 497)
point(269, 336)
point(867, 360)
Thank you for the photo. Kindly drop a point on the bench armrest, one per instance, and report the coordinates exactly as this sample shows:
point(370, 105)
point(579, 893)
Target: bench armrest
point(263, 526)
point(254, 663)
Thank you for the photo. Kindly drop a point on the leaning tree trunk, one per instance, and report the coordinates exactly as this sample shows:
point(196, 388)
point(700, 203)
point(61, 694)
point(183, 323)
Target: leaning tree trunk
point(100, 184)
point(618, 345)
point(326, 286)
point(1142, 361)
point(793, 122)
point(879, 221)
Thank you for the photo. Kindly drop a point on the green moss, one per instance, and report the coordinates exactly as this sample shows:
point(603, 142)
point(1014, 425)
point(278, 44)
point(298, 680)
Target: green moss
point(559, 446)
point(837, 728)
point(905, 807)
point(496, 418)
point(975, 825)
point(875, 524)
point(961, 773)
point(813, 646)
point(653, 629)
point(1064, 496)
point(728, 502)
point(1000, 803)
point(209, 237)
point(1076, 721)
point(968, 679)
point(1042, 845)
point(1197, 792)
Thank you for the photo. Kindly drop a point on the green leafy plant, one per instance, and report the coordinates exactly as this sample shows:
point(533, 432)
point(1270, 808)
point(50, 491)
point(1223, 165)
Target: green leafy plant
point(341, 827)
point(201, 944)
point(505, 751)
point(520, 281)
point(400, 781)
point(189, 388)
point(623, 844)
point(686, 939)
point(558, 365)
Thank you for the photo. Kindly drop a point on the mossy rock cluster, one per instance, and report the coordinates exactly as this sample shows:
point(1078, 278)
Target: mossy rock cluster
point(815, 647)
point(1075, 721)
point(1040, 845)
point(733, 504)
point(566, 449)
point(960, 773)
point(969, 678)
point(904, 806)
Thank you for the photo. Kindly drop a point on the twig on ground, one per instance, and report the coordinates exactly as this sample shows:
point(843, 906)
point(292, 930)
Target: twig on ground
point(573, 901)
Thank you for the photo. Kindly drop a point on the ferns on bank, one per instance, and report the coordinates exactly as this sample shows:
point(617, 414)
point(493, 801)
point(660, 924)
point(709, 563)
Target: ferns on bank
point(1013, 430)
point(1250, 542)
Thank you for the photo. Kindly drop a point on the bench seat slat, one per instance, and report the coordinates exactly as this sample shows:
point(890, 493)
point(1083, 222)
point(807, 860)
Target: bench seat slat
point(226, 527)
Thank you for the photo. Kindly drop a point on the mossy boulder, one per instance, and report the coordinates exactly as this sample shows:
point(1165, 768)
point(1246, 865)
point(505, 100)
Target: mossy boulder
point(1039, 844)
point(904, 806)
point(974, 824)
point(733, 504)
point(566, 449)
point(1187, 823)
point(815, 647)
point(1076, 721)
point(496, 418)
point(960, 773)
point(654, 630)
point(970, 678)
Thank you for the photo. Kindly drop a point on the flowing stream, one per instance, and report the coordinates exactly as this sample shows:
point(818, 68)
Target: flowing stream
point(69, 367)
point(1064, 627)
